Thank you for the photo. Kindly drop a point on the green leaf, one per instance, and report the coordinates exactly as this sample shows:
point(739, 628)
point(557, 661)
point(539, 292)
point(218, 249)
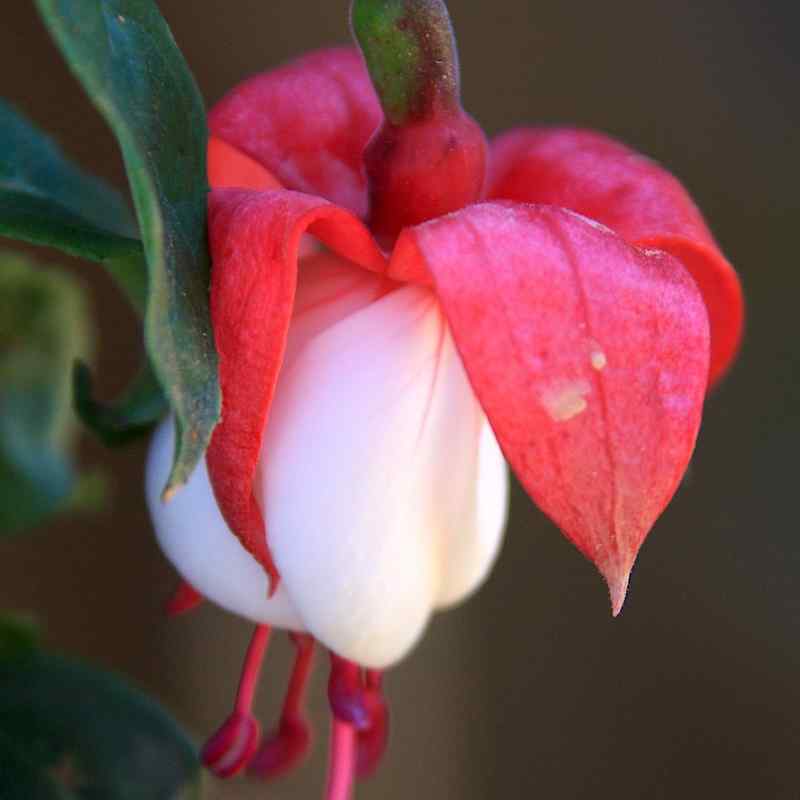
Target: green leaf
point(43, 329)
point(70, 732)
point(130, 416)
point(47, 200)
point(124, 55)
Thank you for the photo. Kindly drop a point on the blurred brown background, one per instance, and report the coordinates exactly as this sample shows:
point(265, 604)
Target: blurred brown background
point(530, 690)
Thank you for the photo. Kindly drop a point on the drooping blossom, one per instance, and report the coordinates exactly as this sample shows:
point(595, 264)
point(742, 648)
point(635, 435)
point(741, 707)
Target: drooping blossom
point(399, 310)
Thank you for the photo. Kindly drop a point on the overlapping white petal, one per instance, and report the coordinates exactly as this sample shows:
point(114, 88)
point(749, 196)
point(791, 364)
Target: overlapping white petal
point(195, 538)
point(383, 489)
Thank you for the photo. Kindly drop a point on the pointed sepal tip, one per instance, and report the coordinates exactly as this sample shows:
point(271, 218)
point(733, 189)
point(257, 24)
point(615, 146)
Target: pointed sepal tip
point(617, 578)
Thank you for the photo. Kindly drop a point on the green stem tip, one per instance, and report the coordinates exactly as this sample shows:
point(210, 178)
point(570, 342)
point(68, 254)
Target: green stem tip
point(410, 52)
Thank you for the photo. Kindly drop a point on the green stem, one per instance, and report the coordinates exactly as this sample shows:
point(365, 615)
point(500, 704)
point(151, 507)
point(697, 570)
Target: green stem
point(410, 53)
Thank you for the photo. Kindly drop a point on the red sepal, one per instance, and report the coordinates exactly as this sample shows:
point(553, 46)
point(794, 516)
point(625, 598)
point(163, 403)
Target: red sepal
point(589, 356)
point(307, 122)
point(230, 168)
point(646, 205)
point(254, 239)
point(185, 599)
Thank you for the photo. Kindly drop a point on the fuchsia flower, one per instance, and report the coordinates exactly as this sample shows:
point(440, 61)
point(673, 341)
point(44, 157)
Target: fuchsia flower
point(398, 309)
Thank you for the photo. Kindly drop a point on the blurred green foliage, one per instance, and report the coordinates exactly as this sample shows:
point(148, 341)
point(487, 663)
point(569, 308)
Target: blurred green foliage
point(68, 731)
point(43, 329)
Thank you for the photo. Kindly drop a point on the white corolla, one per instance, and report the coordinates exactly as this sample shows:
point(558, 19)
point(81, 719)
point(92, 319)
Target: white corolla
point(382, 486)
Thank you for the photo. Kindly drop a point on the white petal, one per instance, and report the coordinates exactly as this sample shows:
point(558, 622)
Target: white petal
point(476, 530)
point(195, 538)
point(329, 288)
point(385, 491)
point(354, 467)
point(468, 489)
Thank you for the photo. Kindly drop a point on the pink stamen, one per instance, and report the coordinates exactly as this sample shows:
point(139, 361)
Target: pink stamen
point(341, 767)
point(252, 668)
point(185, 599)
point(373, 741)
point(301, 671)
point(234, 743)
point(288, 745)
point(373, 678)
point(356, 697)
point(348, 700)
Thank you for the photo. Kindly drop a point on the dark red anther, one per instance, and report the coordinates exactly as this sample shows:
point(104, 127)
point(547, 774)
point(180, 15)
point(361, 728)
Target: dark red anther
point(230, 749)
point(185, 599)
point(356, 697)
point(287, 746)
point(346, 694)
point(283, 750)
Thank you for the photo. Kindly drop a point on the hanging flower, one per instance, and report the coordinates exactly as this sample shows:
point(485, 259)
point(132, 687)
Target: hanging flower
point(399, 308)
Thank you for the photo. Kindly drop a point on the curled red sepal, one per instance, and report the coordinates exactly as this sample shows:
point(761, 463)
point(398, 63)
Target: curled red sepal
point(254, 238)
point(230, 749)
point(185, 599)
point(229, 168)
point(307, 123)
point(603, 477)
point(590, 358)
point(287, 746)
point(647, 206)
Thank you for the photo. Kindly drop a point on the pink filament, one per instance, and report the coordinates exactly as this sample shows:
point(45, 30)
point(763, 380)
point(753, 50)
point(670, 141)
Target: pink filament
point(341, 768)
point(252, 669)
point(233, 745)
point(288, 744)
point(301, 671)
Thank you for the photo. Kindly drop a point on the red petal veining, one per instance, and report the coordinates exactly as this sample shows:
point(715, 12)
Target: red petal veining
point(589, 356)
point(307, 123)
point(646, 205)
point(254, 239)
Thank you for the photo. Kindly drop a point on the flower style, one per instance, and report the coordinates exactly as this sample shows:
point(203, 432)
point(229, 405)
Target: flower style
point(399, 308)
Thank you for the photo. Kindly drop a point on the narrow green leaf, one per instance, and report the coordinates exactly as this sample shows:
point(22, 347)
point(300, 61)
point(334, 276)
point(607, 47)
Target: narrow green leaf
point(70, 732)
point(43, 329)
point(124, 55)
point(45, 199)
point(131, 415)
